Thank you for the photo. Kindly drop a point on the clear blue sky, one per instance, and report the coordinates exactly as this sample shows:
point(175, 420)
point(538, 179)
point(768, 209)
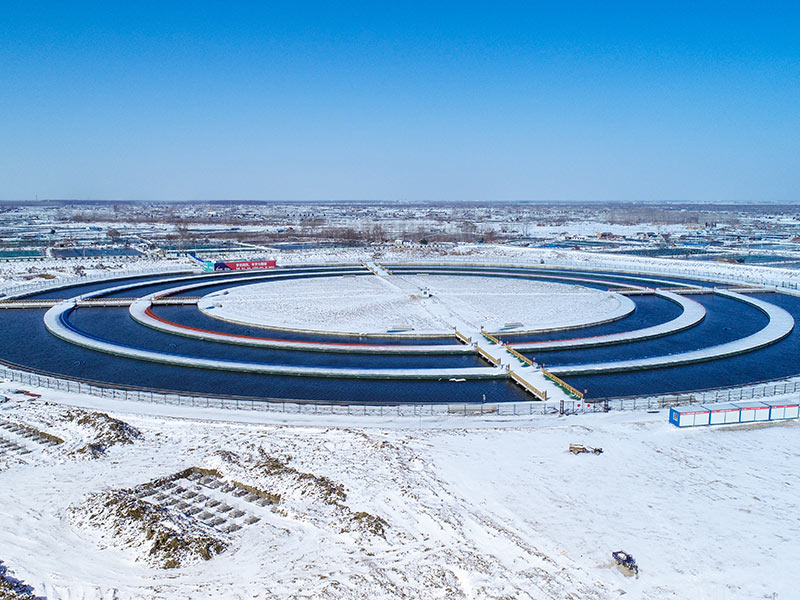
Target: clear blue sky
point(306, 101)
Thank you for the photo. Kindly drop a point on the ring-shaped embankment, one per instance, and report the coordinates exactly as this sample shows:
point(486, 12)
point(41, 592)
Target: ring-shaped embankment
point(210, 279)
point(56, 320)
point(691, 314)
point(141, 312)
point(254, 277)
point(432, 306)
point(779, 326)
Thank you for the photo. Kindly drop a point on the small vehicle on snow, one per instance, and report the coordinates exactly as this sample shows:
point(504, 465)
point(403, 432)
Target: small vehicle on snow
point(581, 449)
point(626, 561)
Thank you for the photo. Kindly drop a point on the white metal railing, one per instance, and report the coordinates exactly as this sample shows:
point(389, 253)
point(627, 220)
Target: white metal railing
point(747, 392)
point(45, 284)
point(276, 405)
point(755, 275)
point(758, 275)
point(764, 276)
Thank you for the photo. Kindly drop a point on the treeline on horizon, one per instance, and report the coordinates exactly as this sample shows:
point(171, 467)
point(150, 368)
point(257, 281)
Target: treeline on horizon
point(587, 204)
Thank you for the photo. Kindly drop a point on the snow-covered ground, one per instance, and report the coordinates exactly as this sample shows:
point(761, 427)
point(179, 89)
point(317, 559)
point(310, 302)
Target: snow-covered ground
point(380, 304)
point(402, 508)
point(52, 271)
point(418, 508)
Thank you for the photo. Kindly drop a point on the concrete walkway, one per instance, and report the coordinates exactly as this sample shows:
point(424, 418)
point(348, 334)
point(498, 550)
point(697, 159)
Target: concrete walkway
point(56, 321)
point(530, 378)
point(141, 312)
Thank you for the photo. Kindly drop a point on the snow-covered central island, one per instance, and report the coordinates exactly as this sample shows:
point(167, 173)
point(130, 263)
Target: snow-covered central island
point(414, 304)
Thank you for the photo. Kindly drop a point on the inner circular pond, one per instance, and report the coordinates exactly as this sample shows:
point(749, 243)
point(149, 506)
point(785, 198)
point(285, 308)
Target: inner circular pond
point(414, 304)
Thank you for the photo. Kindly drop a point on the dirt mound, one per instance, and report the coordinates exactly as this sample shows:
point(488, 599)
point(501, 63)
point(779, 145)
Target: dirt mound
point(108, 431)
point(162, 538)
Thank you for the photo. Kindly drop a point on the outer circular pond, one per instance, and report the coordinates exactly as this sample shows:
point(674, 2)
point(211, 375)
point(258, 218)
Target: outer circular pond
point(612, 334)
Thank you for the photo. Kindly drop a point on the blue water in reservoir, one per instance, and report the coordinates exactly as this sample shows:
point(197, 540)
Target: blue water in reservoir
point(145, 289)
point(744, 258)
point(83, 288)
point(77, 289)
point(505, 273)
point(775, 361)
point(151, 288)
point(644, 280)
point(726, 320)
point(116, 325)
point(650, 311)
point(218, 282)
point(191, 317)
point(26, 342)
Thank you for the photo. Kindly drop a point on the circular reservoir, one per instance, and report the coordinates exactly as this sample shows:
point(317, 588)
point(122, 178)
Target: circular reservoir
point(404, 333)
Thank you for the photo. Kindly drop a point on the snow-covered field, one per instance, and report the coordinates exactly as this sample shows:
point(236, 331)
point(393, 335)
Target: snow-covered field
point(347, 507)
point(379, 304)
point(52, 270)
point(402, 508)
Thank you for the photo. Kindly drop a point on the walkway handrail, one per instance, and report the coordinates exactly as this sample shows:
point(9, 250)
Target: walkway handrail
point(369, 268)
point(562, 384)
point(488, 356)
point(490, 337)
point(293, 406)
point(756, 274)
point(527, 385)
point(27, 288)
point(462, 338)
point(521, 357)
